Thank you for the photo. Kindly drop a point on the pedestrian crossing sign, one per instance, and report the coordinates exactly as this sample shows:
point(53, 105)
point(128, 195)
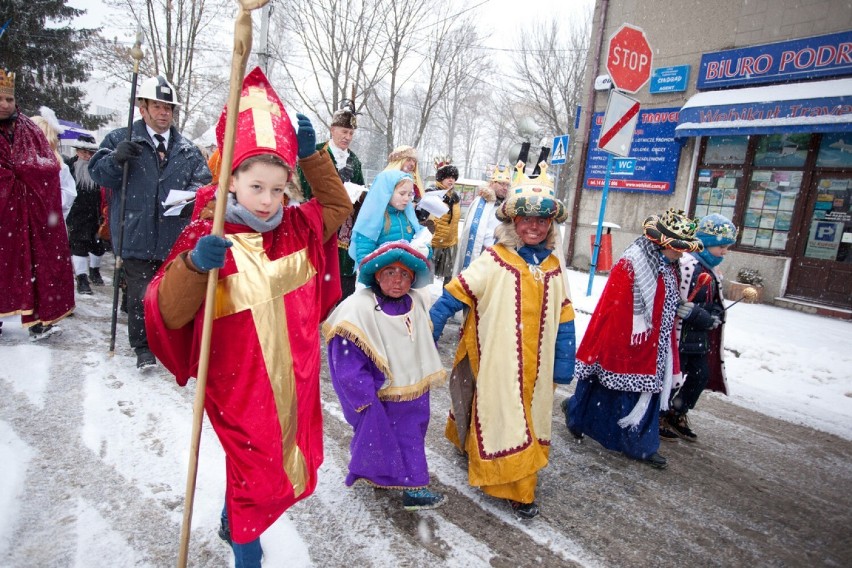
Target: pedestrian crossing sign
point(560, 150)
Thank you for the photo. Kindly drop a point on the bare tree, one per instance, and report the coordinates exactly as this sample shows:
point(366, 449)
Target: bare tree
point(329, 49)
point(178, 44)
point(549, 72)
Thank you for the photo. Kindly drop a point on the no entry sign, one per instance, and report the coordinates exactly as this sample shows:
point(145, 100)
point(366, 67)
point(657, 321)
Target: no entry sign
point(629, 58)
point(619, 123)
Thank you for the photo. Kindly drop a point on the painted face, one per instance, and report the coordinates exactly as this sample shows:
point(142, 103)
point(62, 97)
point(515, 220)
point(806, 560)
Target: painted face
point(672, 255)
point(408, 165)
point(719, 251)
point(342, 137)
point(157, 115)
point(7, 106)
point(501, 188)
point(448, 183)
point(402, 195)
point(261, 188)
point(532, 230)
point(394, 281)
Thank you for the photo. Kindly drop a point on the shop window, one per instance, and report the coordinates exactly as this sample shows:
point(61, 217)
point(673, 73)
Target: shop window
point(771, 201)
point(782, 150)
point(830, 234)
point(835, 151)
point(718, 191)
point(726, 150)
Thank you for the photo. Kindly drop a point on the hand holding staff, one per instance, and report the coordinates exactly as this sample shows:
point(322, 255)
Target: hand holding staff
point(242, 47)
point(136, 54)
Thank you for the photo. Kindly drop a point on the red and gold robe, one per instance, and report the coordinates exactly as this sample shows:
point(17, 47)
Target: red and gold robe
point(262, 396)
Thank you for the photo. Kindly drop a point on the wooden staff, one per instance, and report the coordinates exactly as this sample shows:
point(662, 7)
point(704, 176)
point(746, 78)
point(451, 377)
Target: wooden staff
point(242, 47)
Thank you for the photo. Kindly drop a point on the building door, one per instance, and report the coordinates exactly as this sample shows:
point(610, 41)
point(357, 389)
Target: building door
point(821, 269)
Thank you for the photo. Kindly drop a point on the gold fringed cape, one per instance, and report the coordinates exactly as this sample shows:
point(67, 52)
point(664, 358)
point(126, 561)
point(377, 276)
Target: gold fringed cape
point(507, 350)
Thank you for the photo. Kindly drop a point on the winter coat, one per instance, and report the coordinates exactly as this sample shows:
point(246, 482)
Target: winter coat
point(696, 327)
point(446, 232)
point(148, 235)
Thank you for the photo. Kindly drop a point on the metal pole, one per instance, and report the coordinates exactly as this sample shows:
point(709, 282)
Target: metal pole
point(597, 247)
point(136, 54)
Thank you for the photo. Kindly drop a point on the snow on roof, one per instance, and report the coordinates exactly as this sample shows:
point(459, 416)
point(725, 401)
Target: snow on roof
point(788, 92)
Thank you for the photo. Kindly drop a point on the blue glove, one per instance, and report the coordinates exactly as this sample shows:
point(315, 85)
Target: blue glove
point(307, 137)
point(209, 253)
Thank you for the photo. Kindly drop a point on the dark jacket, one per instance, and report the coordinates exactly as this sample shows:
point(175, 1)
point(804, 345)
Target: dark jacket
point(695, 330)
point(148, 235)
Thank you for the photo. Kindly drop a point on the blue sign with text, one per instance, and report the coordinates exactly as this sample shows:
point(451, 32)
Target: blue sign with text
point(807, 58)
point(670, 79)
point(623, 166)
point(654, 149)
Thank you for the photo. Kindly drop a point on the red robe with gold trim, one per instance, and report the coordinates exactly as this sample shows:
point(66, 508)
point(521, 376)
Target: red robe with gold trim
point(262, 396)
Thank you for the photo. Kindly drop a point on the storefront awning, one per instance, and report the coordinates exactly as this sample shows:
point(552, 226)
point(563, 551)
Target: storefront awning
point(820, 106)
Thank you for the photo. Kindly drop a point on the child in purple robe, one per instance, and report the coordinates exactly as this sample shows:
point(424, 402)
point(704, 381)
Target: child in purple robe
point(383, 362)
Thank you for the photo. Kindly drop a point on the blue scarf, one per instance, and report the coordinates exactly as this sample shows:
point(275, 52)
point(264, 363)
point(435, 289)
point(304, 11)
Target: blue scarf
point(709, 260)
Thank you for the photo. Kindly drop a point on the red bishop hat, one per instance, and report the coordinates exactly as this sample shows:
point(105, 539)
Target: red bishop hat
point(263, 126)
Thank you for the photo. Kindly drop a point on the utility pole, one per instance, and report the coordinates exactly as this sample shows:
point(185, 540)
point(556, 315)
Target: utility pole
point(263, 51)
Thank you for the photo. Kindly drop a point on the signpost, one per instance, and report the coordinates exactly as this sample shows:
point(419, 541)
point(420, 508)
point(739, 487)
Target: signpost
point(629, 60)
point(559, 155)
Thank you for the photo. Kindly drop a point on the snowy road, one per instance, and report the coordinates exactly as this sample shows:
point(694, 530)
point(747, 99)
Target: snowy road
point(94, 460)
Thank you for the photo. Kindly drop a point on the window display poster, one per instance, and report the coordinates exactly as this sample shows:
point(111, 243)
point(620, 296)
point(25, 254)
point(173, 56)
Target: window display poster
point(656, 151)
point(748, 237)
point(835, 151)
point(779, 240)
point(824, 239)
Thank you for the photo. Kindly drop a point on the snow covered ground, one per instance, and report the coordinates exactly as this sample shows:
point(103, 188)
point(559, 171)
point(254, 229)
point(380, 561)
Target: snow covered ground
point(85, 439)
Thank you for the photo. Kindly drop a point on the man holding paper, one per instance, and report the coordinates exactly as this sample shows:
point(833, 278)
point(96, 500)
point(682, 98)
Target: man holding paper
point(162, 165)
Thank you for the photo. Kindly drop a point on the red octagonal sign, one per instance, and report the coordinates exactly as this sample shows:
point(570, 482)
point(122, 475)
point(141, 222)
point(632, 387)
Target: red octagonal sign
point(629, 58)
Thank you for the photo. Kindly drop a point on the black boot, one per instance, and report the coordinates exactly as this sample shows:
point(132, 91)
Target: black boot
point(95, 276)
point(83, 285)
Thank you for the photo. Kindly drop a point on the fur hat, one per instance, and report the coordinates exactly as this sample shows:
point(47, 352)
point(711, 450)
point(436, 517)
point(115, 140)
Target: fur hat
point(532, 198)
point(345, 116)
point(85, 142)
point(395, 252)
point(444, 168)
point(263, 126)
point(673, 230)
point(716, 230)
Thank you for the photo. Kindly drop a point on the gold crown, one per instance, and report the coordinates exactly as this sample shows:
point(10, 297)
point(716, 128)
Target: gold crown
point(7, 82)
point(442, 161)
point(542, 180)
point(503, 175)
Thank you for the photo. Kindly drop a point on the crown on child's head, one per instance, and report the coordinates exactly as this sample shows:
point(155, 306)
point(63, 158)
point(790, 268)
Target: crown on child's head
point(7, 83)
point(532, 197)
point(503, 175)
point(443, 161)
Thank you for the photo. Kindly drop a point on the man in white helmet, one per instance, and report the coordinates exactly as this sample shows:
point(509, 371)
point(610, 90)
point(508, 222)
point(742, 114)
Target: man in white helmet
point(160, 161)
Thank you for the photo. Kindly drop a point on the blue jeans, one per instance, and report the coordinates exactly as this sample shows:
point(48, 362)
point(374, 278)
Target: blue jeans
point(246, 555)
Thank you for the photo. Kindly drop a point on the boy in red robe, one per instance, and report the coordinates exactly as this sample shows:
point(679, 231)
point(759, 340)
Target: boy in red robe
point(262, 394)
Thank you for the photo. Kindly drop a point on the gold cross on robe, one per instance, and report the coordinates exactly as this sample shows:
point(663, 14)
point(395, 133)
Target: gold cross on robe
point(260, 285)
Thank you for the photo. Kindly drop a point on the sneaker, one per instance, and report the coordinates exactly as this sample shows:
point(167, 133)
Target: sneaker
point(656, 461)
point(574, 432)
point(680, 425)
point(95, 277)
point(417, 499)
point(83, 285)
point(666, 432)
point(225, 531)
point(144, 358)
point(525, 511)
point(40, 331)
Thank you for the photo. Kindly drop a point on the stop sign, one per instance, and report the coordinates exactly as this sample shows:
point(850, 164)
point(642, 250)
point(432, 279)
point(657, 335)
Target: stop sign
point(629, 58)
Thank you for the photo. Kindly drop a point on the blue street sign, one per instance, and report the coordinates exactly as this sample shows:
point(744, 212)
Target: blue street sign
point(623, 166)
point(560, 150)
point(670, 79)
